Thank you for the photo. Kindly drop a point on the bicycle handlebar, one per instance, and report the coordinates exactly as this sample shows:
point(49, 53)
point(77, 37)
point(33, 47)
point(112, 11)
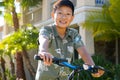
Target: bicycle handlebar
point(64, 62)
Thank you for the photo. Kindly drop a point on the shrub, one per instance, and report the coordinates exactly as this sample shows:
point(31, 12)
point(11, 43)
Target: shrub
point(112, 73)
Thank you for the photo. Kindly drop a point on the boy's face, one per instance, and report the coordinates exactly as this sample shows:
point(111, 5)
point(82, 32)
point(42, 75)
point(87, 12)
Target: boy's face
point(63, 16)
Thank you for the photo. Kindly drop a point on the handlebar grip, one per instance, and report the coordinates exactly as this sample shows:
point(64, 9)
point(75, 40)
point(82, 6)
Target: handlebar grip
point(92, 68)
point(55, 60)
point(36, 57)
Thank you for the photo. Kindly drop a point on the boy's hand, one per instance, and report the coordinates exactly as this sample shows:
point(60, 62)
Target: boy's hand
point(99, 73)
point(96, 71)
point(47, 58)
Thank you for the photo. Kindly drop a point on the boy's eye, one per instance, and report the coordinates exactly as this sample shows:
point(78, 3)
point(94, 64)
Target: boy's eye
point(59, 13)
point(68, 14)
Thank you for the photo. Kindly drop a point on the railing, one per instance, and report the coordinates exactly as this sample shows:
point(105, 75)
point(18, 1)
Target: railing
point(34, 16)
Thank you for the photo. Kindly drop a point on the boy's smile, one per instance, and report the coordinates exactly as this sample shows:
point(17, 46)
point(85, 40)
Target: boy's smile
point(63, 17)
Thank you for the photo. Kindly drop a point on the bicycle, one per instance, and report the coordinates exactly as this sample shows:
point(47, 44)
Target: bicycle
point(75, 69)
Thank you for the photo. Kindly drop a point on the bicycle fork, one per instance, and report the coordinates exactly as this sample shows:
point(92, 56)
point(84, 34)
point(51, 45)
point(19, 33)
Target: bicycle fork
point(72, 74)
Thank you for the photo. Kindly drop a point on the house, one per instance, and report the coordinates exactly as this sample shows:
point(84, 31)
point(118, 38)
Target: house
point(41, 15)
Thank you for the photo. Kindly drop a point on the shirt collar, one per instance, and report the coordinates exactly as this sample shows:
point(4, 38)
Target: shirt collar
point(68, 32)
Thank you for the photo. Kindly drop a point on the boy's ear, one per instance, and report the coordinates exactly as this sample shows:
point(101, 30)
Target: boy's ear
point(52, 14)
point(72, 17)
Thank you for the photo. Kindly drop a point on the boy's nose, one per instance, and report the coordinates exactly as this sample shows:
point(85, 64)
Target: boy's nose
point(63, 16)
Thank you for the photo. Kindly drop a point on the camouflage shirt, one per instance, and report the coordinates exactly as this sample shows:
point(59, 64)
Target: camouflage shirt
point(58, 47)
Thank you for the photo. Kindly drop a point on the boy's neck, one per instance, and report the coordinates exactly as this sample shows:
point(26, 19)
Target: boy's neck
point(61, 32)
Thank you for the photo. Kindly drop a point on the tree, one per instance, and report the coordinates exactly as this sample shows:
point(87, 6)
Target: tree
point(10, 8)
point(2, 66)
point(105, 24)
point(22, 40)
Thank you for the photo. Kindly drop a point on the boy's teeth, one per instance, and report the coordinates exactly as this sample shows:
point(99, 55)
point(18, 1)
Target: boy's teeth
point(62, 22)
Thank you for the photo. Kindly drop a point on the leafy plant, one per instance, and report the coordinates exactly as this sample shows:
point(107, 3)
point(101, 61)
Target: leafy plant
point(21, 40)
point(105, 23)
point(112, 73)
point(9, 76)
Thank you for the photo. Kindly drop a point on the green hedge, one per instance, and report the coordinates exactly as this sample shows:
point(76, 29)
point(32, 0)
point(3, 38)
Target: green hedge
point(113, 72)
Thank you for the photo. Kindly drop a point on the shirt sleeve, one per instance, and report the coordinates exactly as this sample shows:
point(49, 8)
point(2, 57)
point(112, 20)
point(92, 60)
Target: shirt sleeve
point(44, 32)
point(77, 41)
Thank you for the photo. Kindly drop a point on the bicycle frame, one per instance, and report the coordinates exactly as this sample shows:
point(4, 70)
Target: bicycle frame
point(75, 70)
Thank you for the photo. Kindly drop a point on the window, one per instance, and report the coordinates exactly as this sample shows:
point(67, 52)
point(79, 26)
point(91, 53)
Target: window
point(99, 2)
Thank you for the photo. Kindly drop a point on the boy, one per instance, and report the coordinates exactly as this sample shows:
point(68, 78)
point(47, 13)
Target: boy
point(60, 41)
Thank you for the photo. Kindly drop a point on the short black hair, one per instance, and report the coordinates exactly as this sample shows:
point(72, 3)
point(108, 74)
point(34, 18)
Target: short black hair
point(61, 3)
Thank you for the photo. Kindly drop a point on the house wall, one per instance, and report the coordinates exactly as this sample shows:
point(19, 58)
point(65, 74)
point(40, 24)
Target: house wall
point(43, 18)
point(81, 8)
point(40, 16)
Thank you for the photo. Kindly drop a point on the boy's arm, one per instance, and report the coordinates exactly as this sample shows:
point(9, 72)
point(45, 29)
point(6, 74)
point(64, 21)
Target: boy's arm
point(88, 60)
point(43, 50)
point(85, 56)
